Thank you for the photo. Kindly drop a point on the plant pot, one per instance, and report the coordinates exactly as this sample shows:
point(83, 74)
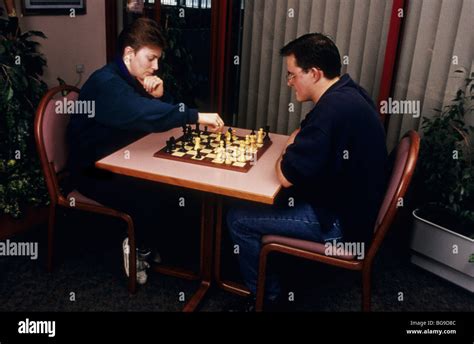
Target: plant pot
point(10, 226)
point(443, 252)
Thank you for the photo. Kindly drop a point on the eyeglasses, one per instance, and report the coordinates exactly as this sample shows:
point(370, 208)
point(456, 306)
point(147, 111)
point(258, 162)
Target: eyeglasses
point(290, 76)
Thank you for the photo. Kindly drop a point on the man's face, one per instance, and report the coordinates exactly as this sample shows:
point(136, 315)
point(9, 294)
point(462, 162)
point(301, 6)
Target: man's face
point(144, 62)
point(303, 82)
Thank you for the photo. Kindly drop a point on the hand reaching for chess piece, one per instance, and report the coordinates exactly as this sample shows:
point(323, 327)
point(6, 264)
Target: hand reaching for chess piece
point(212, 120)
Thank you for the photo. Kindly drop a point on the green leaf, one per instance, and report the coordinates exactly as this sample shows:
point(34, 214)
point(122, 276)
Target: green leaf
point(471, 258)
point(9, 94)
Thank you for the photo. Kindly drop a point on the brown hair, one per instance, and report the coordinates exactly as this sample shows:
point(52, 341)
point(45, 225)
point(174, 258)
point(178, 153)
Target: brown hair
point(142, 32)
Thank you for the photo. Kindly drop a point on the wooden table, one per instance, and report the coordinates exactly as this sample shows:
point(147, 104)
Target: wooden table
point(260, 185)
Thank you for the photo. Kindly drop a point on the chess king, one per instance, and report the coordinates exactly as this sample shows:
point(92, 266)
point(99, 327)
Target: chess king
point(333, 197)
point(131, 101)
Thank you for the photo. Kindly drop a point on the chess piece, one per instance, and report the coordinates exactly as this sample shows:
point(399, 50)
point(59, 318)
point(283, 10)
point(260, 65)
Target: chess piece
point(198, 154)
point(168, 147)
point(218, 138)
point(260, 136)
point(197, 143)
point(234, 135)
point(267, 133)
point(206, 132)
point(242, 153)
point(252, 133)
point(228, 158)
point(172, 142)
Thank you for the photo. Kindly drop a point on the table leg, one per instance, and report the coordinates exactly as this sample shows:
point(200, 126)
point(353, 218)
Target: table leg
point(207, 231)
point(232, 287)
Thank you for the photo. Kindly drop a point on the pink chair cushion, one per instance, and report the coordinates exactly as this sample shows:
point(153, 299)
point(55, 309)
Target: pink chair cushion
point(397, 173)
point(54, 132)
point(80, 198)
point(305, 245)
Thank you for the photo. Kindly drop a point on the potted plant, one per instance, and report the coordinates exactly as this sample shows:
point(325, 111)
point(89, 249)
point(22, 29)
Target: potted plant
point(22, 187)
point(443, 233)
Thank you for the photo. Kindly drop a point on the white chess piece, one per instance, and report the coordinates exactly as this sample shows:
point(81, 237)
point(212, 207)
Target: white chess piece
point(260, 136)
point(197, 143)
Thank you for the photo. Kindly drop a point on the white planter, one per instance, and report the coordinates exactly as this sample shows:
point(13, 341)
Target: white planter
point(442, 252)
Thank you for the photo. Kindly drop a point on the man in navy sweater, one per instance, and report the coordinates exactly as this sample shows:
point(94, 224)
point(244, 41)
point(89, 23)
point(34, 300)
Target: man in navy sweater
point(130, 102)
point(334, 164)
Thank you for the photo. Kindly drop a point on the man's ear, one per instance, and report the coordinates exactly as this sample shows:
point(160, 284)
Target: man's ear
point(317, 74)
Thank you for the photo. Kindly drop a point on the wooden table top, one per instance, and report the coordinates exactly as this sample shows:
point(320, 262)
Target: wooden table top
point(260, 184)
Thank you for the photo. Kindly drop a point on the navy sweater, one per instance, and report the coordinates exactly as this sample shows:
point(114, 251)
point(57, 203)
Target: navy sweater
point(338, 161)
point(124, 112)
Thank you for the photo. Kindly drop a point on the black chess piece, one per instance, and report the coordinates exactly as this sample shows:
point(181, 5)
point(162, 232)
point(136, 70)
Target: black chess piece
point(208, 144)
point(198, 128)
point(253, 132)
point(267, 133)
point(172, 142)
point(206, 130)
point(168, 147)
point(198, 154)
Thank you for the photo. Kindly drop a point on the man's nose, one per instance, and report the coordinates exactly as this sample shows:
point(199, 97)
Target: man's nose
point(155, 65)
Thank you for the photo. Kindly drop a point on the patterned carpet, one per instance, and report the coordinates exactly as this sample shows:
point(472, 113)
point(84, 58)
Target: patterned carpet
point(89, 276)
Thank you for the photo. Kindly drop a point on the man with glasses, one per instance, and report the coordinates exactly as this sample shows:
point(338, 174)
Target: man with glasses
point(334, 165)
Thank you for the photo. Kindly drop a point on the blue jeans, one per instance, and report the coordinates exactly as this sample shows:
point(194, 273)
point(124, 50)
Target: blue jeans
point(247, 225)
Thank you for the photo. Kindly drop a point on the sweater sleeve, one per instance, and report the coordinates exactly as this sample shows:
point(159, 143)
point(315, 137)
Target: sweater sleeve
point(118, 105)
point(305, 161)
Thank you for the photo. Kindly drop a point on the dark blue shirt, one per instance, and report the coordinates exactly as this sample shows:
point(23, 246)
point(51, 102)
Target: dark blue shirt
point(338, 161)
point(124, 112)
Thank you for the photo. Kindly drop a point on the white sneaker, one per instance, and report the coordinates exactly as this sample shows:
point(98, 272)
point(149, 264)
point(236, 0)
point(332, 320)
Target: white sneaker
point(142, 264)
point(157, 257)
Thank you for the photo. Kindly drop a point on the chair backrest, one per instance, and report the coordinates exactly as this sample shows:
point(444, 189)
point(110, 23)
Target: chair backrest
point(50, 135)
point(402, 173)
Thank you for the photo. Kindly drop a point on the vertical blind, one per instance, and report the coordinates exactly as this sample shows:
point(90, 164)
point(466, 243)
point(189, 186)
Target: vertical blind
point(358, 27)
point(437, 41)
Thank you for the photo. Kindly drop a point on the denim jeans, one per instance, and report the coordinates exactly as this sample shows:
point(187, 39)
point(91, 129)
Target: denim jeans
point(247, 225)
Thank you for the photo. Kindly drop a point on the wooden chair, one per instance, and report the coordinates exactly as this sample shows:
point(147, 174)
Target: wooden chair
point(50, 135)
point(404, 167)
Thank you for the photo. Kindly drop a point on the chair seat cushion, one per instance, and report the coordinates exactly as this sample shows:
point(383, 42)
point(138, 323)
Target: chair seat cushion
point(82, 199)
point(310, 246)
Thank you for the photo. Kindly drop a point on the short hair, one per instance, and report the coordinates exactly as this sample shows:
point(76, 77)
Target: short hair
point(315, 50)
point(141, 33)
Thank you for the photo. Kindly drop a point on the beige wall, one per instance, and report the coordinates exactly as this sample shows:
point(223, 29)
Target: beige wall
point(71, 41)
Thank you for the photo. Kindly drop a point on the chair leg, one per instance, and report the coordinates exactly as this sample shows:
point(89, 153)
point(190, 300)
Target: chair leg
point(132, 276)
point(262, 267)
point(51, 224)
point(366, 289)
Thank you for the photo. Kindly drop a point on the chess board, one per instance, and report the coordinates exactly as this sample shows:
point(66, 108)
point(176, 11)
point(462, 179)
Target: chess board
point(184, 152)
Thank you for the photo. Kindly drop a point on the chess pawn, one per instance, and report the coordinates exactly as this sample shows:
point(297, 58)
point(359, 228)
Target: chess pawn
point(234, 135)
point(218, 138)
point(242, 157)
point(260, 137)
point(197, 143)
point(228, 158)
point(247, 140)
